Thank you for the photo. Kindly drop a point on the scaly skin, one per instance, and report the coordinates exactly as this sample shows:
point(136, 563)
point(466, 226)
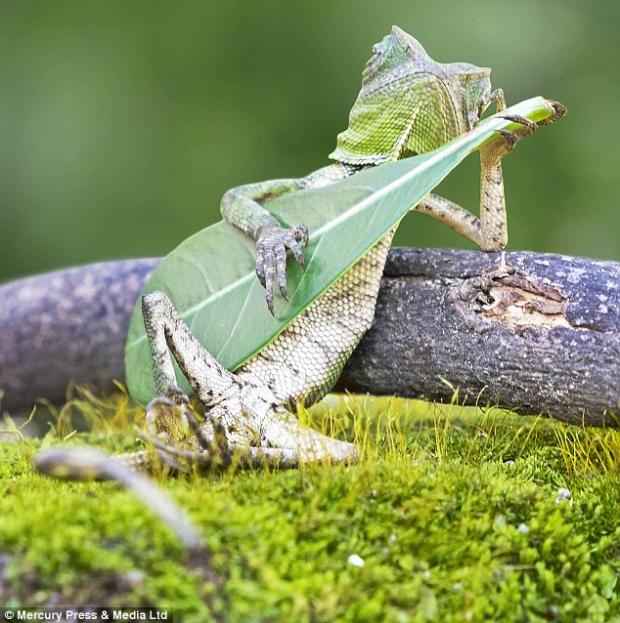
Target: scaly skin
point(408, 104)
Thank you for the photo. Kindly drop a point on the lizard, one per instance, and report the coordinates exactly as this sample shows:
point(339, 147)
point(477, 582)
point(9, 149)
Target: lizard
point(408, 104)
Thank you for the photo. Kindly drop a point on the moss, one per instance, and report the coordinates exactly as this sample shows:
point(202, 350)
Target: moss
point(454, 512)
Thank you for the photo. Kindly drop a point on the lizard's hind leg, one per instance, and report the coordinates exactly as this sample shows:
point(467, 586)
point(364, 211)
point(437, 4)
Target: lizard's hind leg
point(167, 333)
point(242, 413)
point(169, 415)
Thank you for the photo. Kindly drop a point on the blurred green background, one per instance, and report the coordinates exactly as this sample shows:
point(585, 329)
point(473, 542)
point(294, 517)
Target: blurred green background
point(122, 123)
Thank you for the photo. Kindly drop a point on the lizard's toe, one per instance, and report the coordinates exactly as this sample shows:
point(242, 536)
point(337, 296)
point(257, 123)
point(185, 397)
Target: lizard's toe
point(260, 264)
point(526, 123)
point(472, 119)
point(297, 251)
point(281, 271)
point(270, 277)
point(328, 450)
point(282, 430)
point(283, 458)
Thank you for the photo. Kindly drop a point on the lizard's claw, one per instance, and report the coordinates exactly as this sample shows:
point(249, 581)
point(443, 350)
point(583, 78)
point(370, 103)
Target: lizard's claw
point(271, 250)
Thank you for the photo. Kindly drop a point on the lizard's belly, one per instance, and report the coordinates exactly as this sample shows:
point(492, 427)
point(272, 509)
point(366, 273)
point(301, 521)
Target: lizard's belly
point(304, 361)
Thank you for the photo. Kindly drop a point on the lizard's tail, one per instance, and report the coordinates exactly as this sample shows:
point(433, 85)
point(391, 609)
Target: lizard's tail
point(86, 463)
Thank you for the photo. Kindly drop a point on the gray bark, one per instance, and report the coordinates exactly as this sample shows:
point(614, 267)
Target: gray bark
point(544, 338)
point(66, 327)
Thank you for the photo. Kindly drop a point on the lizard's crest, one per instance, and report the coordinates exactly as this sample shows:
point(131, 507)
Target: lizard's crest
point(408, 102)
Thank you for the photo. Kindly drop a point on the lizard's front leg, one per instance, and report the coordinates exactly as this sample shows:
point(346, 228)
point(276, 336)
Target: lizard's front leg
point(242, 208)
point(489, 231)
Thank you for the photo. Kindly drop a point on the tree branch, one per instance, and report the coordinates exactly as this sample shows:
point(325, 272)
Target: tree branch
point(543, 339)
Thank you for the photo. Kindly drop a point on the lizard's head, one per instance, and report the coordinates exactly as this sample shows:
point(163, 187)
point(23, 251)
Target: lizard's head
point(409, 103)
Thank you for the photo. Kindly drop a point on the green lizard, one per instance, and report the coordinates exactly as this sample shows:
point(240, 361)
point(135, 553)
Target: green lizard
point(408, 104)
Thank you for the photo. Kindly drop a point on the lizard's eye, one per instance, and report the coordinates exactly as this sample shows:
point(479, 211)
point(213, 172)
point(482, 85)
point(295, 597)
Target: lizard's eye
point(376, 50)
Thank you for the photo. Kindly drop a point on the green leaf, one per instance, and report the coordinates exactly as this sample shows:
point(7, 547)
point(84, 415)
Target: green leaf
point(210, 276)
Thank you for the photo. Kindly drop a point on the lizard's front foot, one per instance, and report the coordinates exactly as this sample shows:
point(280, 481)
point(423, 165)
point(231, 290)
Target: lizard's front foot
point(500, 149)
point(271, 249)
point(511, 138)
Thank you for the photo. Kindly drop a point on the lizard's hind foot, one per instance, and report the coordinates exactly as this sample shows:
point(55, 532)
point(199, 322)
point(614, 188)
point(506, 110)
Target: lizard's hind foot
point(226, 438)
point(166, 418)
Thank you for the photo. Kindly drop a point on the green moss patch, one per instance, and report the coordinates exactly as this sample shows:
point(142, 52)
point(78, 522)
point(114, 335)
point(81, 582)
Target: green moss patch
point(452, 515)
